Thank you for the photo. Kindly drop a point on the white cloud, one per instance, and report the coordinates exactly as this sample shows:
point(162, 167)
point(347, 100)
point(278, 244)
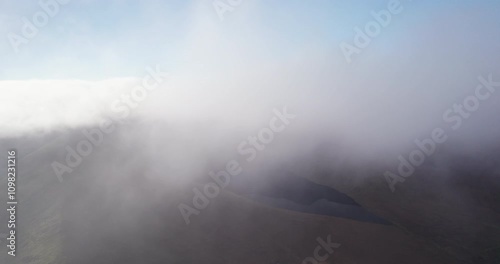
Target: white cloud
point(38, 106)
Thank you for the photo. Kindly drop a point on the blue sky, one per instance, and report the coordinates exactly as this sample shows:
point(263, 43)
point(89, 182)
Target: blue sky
point(101, 39)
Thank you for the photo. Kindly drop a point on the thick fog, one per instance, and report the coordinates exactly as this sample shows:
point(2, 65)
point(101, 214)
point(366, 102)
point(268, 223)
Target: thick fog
point(174, 124)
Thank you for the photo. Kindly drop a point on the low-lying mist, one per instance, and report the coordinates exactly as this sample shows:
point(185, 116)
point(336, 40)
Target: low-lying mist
point(124, 157)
